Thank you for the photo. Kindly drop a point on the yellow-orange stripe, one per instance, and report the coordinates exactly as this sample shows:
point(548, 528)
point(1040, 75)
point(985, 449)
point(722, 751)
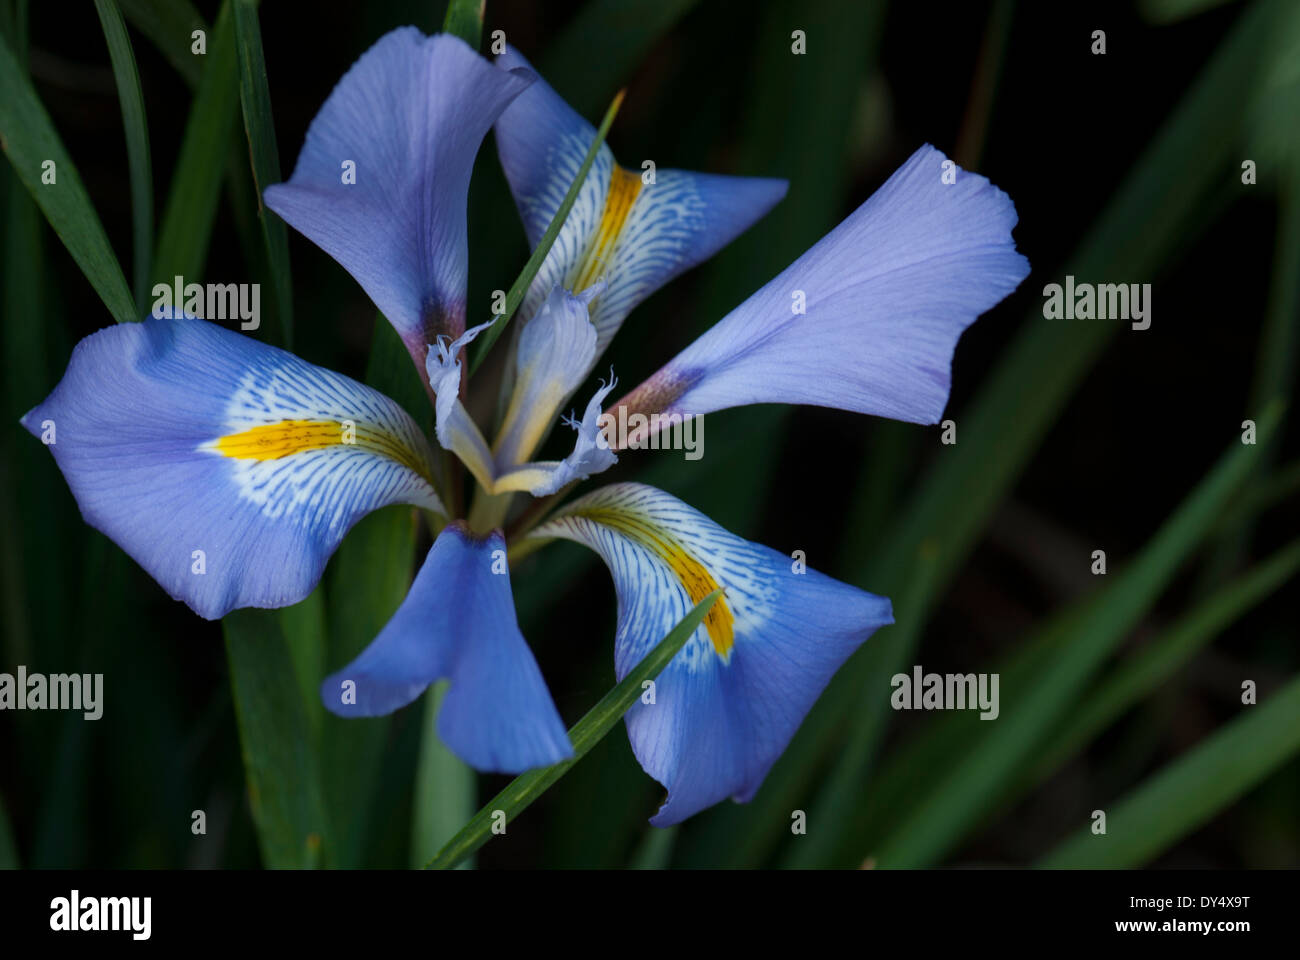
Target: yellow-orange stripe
point(624, 187)
point(693, 575)
point(272, 441)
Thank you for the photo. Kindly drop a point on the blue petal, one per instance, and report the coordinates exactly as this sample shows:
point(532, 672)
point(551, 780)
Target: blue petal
point(177, 436)
point(410, 114)
point(459, 622)
point(885, 296)
point(635, 235)
point(727, 705)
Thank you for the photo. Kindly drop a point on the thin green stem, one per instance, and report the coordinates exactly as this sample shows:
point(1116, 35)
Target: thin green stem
point(515, 296)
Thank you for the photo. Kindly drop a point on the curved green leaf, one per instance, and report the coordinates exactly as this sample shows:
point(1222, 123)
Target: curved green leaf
point(1192, 789)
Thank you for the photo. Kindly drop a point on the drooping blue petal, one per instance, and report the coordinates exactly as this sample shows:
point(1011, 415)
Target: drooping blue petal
point(868, 318)
point(635, 234)
point(458, 622)
point(408, 118)
point(727, 705)
point(228, 469)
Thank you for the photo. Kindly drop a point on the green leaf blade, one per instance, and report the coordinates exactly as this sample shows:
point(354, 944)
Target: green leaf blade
point(139, 163)
point(280, 759)
point(1192, 789)
point(515, 295)
point(255, 100)
point(464, 19)
point(30, 141)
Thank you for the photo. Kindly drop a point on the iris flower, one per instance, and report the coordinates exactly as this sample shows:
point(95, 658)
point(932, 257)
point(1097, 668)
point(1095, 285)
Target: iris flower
point(230, 470)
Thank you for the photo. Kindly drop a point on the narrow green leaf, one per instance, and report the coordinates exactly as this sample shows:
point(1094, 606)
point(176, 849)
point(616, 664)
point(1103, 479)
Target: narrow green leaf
point(963, 793)
point(446, 789)
point(255, 98)
point(280, 761)
point(196, 185)
point(1144, 673)
point(515, 295)
point(656, 849)
point(170, 25)
point(137, 146)
point(32, 144)
point(586, 733)
point(1190, 791)
point(915, 769)
point(464, 19)
point(305, 630)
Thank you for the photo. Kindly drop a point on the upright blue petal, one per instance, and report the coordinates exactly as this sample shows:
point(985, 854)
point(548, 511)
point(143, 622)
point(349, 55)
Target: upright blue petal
point(458, 622)
point(868, 318)
point(631, 231)
point(228, 469)
point(727, 705)
point(404, 124)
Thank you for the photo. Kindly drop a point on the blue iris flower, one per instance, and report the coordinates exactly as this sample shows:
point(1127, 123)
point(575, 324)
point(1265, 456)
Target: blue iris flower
point(231, 470)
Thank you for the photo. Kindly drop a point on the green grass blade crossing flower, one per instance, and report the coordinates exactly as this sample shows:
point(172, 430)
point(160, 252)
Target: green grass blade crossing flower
point(586, 733)
point(464, 19)
point(515, 295)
